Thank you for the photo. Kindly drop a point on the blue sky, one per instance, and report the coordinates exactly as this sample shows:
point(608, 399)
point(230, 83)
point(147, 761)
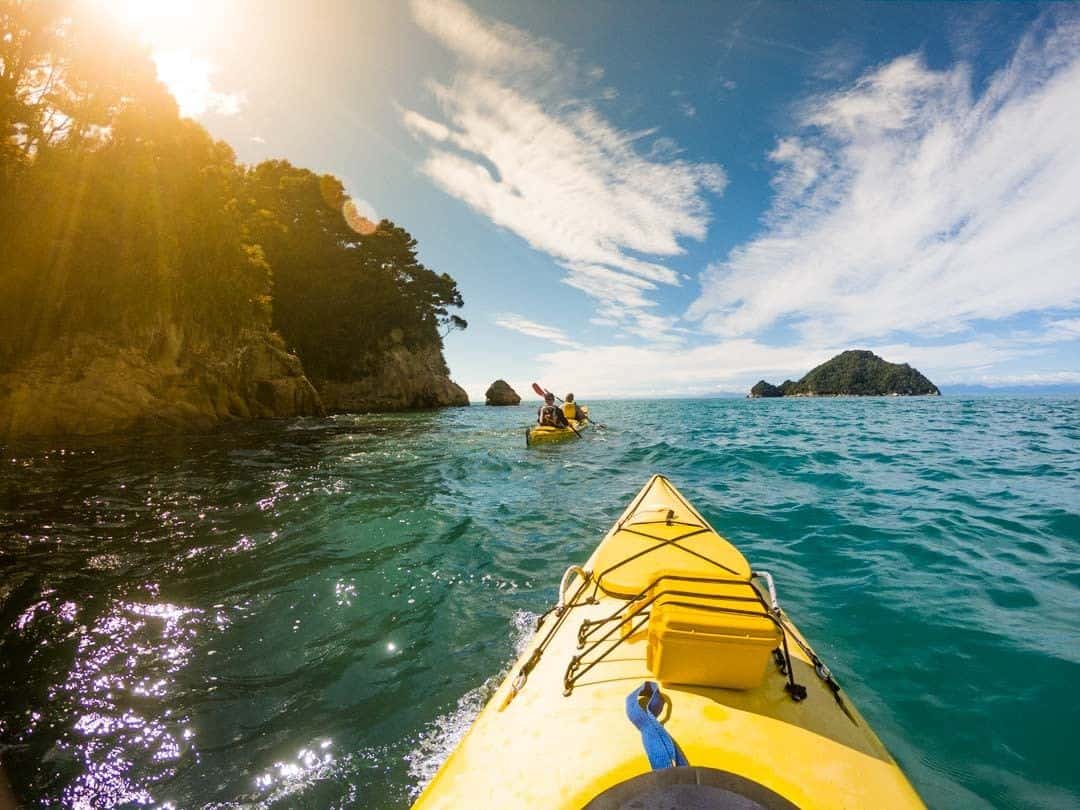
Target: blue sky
point(658, 198)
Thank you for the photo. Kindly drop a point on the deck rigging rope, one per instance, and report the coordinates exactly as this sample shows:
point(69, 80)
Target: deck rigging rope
point(561, 611)
point(637, 615)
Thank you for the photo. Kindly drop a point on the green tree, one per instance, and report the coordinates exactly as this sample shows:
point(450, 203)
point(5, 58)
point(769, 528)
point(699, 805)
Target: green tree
point(117, 215)
point(119, 218)
point(342, 295)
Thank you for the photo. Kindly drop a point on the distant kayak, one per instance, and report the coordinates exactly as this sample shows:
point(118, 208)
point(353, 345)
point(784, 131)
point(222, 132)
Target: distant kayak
point(668, 676)
point(543, 434)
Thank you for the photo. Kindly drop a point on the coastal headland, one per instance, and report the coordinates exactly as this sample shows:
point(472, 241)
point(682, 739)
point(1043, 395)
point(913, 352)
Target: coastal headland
point(149, 281)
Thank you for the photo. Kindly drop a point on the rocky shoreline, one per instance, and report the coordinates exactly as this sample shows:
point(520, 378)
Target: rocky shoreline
point(171, 382)
point(408, 379)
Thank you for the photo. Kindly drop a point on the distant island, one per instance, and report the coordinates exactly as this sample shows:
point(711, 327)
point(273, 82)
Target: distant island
point(856, 372)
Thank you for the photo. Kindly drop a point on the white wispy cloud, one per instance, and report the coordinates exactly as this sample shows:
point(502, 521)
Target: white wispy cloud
point(517, 143)
point(908, 203)
point(189, 79)
point(524, 326)
point(684, 105)
point(1031, 378)
point(736, 364)
point(1062, 329)
point(481, 43)
point(836, 62)
point(799, 167)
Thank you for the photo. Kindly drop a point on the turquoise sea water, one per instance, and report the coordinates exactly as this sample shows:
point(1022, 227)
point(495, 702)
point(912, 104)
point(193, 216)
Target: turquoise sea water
point(308, 613)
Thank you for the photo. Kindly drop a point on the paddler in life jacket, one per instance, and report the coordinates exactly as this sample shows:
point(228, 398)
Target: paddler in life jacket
point(571, 410)
point(549, 414)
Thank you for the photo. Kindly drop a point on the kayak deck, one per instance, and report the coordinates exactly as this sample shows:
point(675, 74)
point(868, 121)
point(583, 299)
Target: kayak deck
point(533, 746)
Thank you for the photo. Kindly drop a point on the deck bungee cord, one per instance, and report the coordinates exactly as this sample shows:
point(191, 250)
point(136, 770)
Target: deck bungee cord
point(639, 616)
point(631, 617)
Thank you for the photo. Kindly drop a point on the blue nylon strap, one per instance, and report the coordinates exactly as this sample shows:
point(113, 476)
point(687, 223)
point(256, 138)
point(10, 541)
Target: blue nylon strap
point(660, 748)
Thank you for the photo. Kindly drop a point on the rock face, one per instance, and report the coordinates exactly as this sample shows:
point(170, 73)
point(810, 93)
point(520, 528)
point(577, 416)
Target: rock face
point(853, 373)
point(764, 389)
point(172, 382)
point(407, 379)
point(500, 393)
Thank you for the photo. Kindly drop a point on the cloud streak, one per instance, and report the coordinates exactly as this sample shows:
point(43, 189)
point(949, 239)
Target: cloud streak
point(524, 326)
point(906, 203)
point(516, 143)
point(734, 365)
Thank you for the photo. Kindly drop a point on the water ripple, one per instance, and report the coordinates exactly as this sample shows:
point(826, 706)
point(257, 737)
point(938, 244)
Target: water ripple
point(311, 612)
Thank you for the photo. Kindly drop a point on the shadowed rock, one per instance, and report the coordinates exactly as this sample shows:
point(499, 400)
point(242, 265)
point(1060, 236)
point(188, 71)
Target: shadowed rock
point(500, 393)
point(403, 379)
point(764, 389)
point(88, 386)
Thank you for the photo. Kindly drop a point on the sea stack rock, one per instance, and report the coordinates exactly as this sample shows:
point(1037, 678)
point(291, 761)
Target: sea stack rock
point(500, 393)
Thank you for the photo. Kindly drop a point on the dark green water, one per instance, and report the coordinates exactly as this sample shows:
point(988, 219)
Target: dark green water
point(308, 614)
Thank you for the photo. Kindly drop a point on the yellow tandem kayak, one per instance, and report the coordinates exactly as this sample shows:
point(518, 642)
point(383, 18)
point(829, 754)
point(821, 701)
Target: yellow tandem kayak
point(668, 676)
point(544, 434)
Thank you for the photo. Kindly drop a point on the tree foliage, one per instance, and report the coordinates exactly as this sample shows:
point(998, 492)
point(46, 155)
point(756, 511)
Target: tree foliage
point(118, 217)
point(342, 294)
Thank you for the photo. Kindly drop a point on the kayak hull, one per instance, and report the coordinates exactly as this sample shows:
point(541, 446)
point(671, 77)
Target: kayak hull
point(533, 746)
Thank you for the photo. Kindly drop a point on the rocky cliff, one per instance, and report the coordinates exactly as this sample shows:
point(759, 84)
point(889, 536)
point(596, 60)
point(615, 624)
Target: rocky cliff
point(406, 379)
point(90, 386)
point(168, 381)
point(856, 372)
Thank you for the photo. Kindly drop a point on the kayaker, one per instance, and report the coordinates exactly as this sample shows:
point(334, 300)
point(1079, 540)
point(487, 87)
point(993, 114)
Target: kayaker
point(550, 415)
point(571, 409)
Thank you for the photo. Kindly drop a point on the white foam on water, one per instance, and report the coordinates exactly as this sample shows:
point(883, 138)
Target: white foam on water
point(442, 735)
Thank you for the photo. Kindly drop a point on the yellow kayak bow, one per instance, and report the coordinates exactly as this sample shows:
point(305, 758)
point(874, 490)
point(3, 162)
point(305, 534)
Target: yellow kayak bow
point(742, 697)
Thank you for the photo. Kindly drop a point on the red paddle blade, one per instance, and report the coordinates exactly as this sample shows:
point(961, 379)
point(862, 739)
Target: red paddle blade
point(539, 391)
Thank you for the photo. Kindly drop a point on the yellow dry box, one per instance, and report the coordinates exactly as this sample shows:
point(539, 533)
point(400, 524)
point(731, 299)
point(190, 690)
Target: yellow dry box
point(692, 644)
